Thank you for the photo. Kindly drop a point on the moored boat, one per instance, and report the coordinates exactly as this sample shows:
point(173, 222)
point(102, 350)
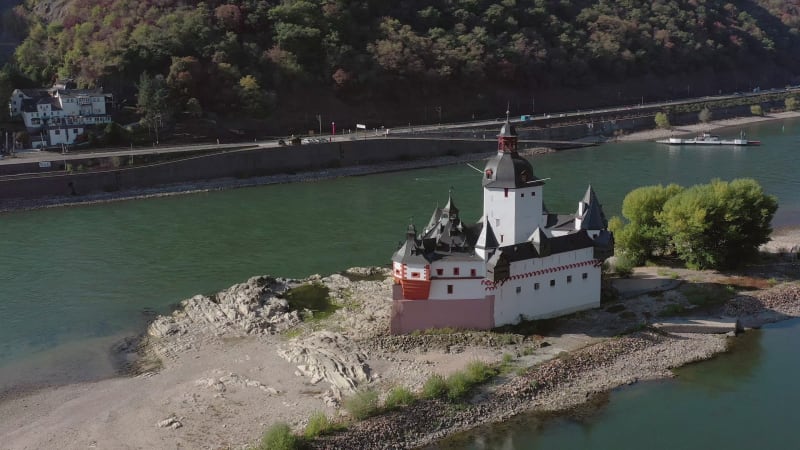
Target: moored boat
point(709, 139)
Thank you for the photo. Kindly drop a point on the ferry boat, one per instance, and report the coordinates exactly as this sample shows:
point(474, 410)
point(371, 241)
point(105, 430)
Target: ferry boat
point(709, 139)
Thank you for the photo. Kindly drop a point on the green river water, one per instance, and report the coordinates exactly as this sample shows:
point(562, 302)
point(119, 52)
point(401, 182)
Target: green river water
point(75, 280)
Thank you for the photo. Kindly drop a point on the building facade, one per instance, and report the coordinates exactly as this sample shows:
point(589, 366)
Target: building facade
point(57, 116)
point(519, 262)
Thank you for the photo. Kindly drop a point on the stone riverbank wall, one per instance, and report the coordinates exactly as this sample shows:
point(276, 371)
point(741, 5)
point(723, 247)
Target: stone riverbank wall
point(242, 163)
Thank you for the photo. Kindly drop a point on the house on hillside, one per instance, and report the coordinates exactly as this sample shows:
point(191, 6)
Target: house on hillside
point(519, 261)
point(58, 115)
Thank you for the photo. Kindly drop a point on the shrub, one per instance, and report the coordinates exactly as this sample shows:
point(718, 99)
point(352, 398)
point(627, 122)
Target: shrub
point(479, 371)
point(319, 424)
point(362, 404)
point(434, 387)
point(458, 384)
point(399, 396)
point(314, 297)
point(624, 266)
point(279, 437)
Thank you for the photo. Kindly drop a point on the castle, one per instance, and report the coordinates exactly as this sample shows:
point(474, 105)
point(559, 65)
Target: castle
point(518, 262)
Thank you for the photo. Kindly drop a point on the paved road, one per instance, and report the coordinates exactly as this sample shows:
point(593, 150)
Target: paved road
point(374, 133)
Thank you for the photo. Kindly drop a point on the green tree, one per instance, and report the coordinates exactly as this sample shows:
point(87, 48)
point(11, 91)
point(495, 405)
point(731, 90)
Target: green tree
point(756, 110)
point(790, 103)
point(662, 120)
point(719, 225)
point(643, 235)
point(152, 102)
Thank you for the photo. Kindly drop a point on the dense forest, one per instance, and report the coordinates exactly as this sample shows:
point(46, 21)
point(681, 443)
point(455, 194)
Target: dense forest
point(257, 58)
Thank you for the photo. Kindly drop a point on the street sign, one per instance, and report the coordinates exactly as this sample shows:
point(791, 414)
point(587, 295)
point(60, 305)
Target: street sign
point(361, 126)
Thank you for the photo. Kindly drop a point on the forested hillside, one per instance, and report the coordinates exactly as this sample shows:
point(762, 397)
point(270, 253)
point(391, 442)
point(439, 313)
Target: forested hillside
point(250, 56)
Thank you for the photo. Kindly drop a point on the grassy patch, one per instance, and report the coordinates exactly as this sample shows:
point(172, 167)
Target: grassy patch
point(461, 383)
point(279, 437)
point(672, 310)
point(399, 396)
point(435, 387)
point(362, 404)
point(313, 297)
point(708, 294)
point(435, 331)
point(319, 424)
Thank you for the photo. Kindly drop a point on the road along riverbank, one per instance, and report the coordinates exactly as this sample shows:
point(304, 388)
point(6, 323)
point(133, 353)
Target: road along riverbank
point(223, 367)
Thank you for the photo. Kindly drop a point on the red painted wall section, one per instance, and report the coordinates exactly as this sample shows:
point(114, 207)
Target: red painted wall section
point(412, 315)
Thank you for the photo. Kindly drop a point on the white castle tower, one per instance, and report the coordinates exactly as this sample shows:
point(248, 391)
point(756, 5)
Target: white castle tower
point(512, 196)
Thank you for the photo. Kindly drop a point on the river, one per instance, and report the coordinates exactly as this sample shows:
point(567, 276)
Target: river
point(74, 280)
point(744, 399)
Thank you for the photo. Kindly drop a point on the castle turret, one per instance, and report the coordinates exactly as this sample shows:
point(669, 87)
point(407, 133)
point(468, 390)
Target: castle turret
point(410, 269)
point(512, 195)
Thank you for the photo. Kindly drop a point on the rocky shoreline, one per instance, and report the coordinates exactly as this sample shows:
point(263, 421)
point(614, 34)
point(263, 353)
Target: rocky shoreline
point(221, 368)
point(557, 376)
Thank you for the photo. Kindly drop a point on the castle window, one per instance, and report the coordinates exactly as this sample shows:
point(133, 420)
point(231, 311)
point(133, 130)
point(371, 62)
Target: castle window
point(552, 282)
point(535, 286)
point(456, 271)
point(533, 194)
point(501, 238)
point(473, 272)
point(522, 194)
point(519, 289)
point(440, 272)
point(569, 278)
point(506, 192)
point(449, 288)
point(585, 275)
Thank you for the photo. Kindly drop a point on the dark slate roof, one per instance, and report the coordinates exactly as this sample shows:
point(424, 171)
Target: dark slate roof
point(509, 170)
point(593, 216)
point(547, 246)
point(410, 252)
point(491, 238)
point(445, 231)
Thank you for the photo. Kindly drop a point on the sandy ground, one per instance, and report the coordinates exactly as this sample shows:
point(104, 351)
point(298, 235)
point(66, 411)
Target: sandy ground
point(655, 134)
point(224, 392)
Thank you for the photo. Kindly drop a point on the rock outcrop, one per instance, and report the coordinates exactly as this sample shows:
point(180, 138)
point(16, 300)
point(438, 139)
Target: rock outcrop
point(247, 308)
point(328, 356)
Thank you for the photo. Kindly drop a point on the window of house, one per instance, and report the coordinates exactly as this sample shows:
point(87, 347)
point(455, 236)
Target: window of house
point(473, 273)
point(501, 238)
point(522, 194)
point(75, 130)
point(414, 274)
point(569, 278)
point(449, 288)
point(535, 286)
point(552, 282)
point(456, 270)
point(440, 272)
point(519, 289)
point(585, 275)
point(57, 132)
point(533, 194)
point(506, 192)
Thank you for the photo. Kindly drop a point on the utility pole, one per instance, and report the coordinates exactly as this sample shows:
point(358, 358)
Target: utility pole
point(319, 119)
